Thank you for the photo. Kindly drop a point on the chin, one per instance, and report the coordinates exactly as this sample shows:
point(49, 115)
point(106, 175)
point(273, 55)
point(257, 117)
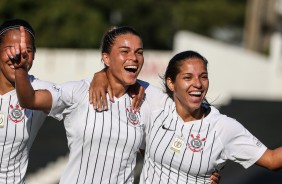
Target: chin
point(196, 107)
point(131, 82)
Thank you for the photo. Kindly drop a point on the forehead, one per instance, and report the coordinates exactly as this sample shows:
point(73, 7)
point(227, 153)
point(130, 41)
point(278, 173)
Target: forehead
point(128, 40)
point(192, 65)
point(13, 36)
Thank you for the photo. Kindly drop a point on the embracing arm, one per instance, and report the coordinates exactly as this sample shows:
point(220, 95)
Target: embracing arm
point(271, 159)
point(97, 92)
point(100, 86)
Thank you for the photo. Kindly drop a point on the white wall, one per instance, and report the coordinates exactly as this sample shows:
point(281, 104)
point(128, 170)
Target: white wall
point(233, 71)
point(60, 65)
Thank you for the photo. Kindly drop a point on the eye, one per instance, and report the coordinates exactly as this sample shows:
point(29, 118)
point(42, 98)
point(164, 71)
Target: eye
point(205, 76)
point(140, 52)
point(124, 51)
point(187, 77)
point(29, 50)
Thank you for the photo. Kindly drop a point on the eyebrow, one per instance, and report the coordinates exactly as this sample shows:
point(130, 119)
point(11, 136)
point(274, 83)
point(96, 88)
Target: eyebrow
point(126, 47)
point(14, 46)
point(188, 73)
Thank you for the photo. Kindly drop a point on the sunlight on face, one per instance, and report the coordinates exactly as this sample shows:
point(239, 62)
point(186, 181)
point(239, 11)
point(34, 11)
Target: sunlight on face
point(9, 40)
point(125, 60)
point(191, 84)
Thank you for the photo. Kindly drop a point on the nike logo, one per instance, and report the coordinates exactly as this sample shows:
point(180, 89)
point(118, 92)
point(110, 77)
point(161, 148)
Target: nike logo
point(163, 127)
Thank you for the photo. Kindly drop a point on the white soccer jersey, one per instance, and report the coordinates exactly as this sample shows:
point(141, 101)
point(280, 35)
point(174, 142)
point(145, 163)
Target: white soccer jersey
point(18, 129)
point(180, 152)
point(103, 145)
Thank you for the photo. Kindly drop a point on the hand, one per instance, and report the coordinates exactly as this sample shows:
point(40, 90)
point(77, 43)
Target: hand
point(99, 87)
point(18, 53)
point(137, 92)
point(215, 177)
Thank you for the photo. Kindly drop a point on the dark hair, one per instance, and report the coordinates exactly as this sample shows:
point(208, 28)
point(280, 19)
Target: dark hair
point(110, 37)
point(15, 24)
point(174, 65)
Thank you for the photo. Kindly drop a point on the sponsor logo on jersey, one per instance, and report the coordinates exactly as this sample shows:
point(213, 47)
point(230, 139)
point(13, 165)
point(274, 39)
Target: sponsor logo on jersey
point(2, 116)
point(257, 142)
point(132, 116)
point(16, 113)
point(56, 88)
point(177, 144)
point(197, 143)
point(165, 128)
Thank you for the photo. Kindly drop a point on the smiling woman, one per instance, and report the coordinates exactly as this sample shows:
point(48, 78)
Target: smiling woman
point(103, 145)
point(187, 84)
point(188, 138)
point(18, 126)
point(122, 54)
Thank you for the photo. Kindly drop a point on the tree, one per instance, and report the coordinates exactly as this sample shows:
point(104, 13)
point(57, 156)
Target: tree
point(81, 23)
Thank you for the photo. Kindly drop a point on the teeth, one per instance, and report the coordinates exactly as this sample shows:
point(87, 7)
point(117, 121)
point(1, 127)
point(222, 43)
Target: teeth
point(196, 93)
point(131, 67)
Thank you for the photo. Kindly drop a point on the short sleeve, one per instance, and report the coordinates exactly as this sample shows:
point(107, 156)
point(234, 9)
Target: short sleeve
point(239, 144)
point(40, 84)
point(66, 96)
point(155, 97)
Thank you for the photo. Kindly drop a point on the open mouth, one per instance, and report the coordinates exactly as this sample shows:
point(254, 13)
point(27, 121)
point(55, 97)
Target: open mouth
point(132, 69)
point(12, 66)
point(196, 93)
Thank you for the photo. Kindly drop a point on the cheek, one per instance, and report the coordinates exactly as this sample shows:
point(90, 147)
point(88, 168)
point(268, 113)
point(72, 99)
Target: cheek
point(30, 56)
point(3, 57)
point(140, 59)
point(30, 60)
point(180, 87)
point(206, 84)
point(141, 62)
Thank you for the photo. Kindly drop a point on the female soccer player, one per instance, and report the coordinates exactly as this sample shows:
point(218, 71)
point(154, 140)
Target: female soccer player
point(18, 126)
point(188, 138)
point(103, 145)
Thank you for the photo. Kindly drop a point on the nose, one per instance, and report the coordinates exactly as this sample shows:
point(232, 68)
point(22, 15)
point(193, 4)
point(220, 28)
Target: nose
point(197, 83)
point(132, 56)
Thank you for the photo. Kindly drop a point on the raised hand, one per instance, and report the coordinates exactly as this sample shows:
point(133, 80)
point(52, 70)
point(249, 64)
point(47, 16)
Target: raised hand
point(18, 53)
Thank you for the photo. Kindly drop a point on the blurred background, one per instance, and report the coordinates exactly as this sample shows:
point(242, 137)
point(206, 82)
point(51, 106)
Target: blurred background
point(241, 39)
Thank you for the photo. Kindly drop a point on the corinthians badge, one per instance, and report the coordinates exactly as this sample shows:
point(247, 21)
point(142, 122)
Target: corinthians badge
point(196, 144)
point(132, 116)
point(16, 113)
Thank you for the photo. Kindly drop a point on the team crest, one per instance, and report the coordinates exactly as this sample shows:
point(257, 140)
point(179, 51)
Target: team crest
point(16, 113)
point(197, 143)
point(132, 116)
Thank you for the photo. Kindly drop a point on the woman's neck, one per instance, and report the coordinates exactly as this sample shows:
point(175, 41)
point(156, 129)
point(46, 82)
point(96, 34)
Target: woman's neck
point(118, 88)
point(190, 115)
